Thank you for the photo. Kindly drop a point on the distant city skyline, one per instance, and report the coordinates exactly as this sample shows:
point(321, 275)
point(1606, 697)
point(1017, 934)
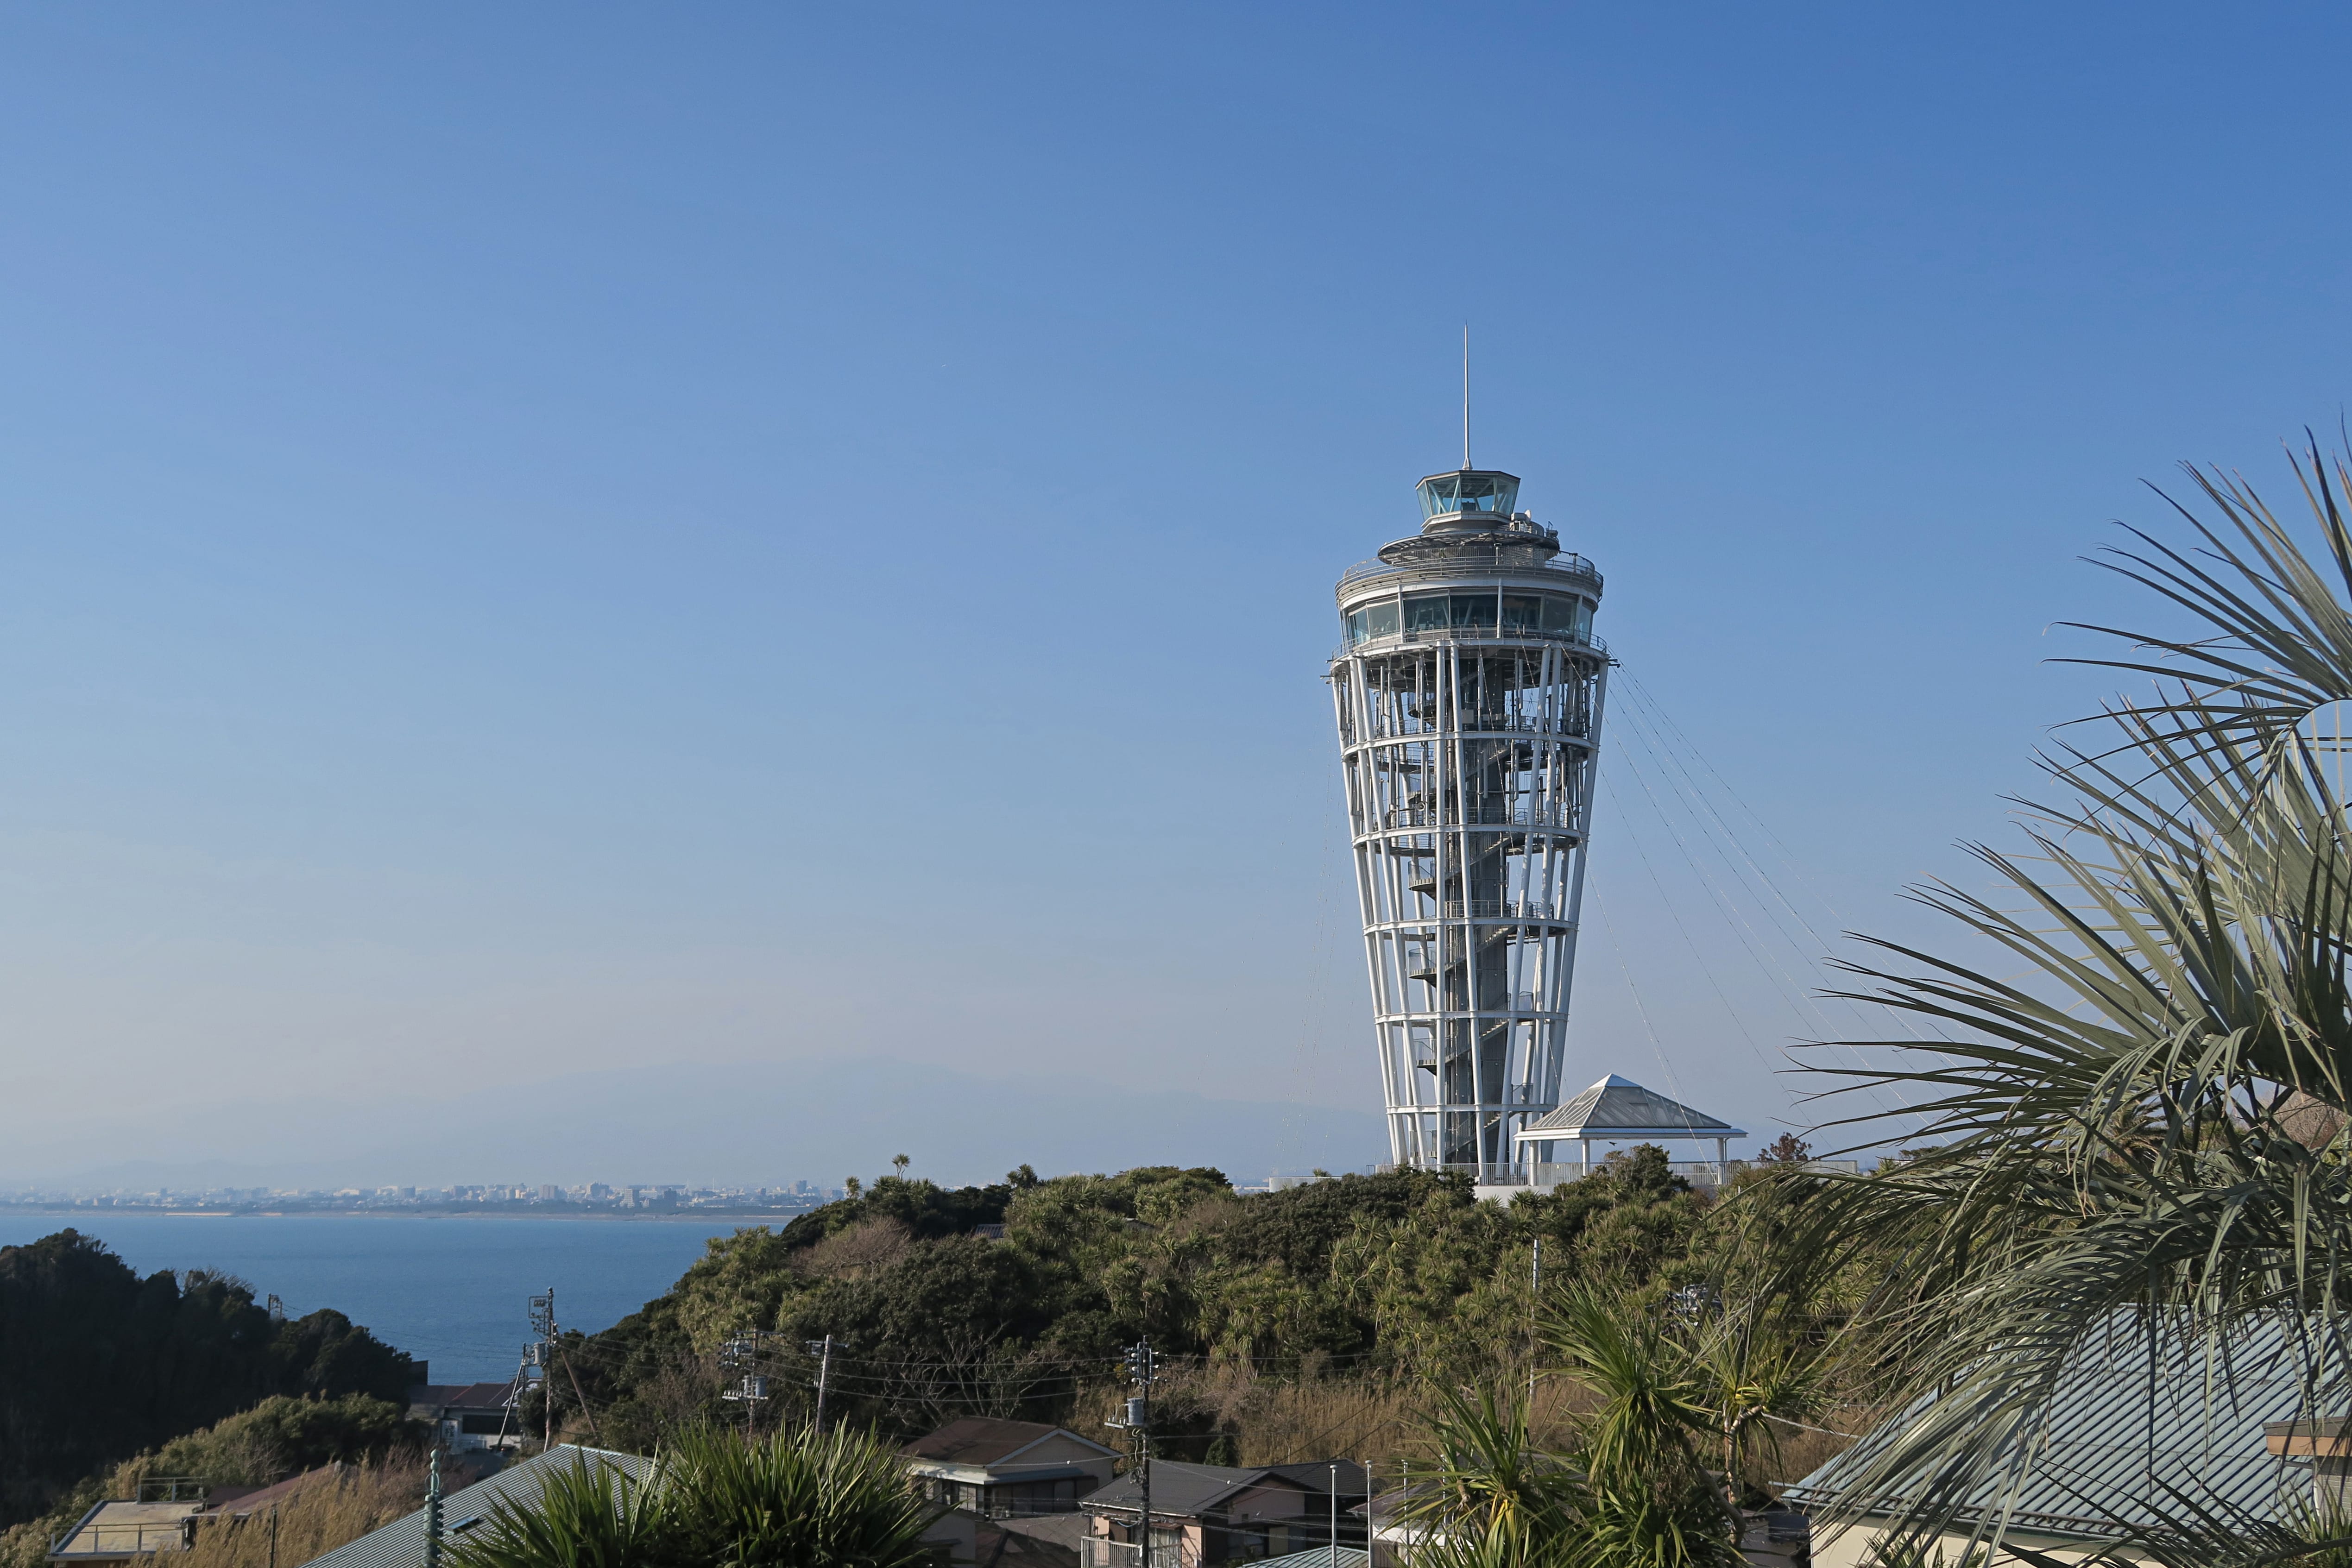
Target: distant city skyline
point(619, 1196)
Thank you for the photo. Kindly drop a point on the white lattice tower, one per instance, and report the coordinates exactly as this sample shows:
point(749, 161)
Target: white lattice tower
point(1469, 697)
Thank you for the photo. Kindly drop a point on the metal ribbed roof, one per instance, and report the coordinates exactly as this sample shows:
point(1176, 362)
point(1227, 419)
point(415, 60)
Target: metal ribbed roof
point(401, 1543)
point(1314, 1557)
point(1620, 1108)
point(2107, 1449)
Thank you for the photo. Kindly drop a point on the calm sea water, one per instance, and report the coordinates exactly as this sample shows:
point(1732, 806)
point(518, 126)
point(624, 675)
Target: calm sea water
point(453, 1291)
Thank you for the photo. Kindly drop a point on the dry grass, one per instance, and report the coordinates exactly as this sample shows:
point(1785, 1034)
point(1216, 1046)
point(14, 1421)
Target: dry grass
point(333, 1510)
point(1802, 1452)
point(1381, 1421)
point(1384, 1422)
point(857, 1252)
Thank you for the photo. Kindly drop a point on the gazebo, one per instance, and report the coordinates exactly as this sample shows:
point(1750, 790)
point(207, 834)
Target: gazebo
point(1618, 1109)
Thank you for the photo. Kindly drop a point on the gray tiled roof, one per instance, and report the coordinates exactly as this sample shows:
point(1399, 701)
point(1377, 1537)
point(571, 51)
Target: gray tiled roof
point(401, 1543)
point(1618, 1107)
point(1177, 1489)
point(2110, 1445)
point(982, 1440)
point(1194, 1490)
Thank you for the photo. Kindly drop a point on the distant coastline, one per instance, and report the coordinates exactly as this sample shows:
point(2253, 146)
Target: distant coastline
point(95, 1214)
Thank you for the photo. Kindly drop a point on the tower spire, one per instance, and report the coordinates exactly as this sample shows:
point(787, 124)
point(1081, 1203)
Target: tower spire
point(1465, 397)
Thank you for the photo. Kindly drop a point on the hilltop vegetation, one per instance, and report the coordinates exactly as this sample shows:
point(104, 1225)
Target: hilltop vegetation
point(1345, 1293)
point(98, 1365)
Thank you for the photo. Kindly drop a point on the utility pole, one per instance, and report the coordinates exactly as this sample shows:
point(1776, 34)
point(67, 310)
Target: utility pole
point(1535, 1306)
point(432, 1514)
point(1335, 1515)
point(822, 1350)
point(1141, 1365)
point(577, 1393)
point(542, 1323)
point(742, 1354)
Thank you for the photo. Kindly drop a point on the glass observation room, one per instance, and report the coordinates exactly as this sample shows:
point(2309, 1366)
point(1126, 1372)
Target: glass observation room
point(1471, 490)
point(1515, 614)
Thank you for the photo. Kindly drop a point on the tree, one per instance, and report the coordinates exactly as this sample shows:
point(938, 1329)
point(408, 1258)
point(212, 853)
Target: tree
point(98, 1364)
point(585, 1515)
point(1652, 1502)
point(793, 1500)
point(1495, 1498)
point(714, 1500)
point(2140, 1104)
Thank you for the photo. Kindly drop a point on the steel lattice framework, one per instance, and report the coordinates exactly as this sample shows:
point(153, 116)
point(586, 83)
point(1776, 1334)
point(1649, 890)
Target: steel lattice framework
point(1469, 697)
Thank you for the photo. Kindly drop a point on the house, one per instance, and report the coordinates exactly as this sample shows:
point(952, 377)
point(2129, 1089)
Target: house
point(1042, 1540)
point(1317, 1557)
point(401, 1543)
point(960, 1538)
point(469, 1416)
point(2121, 1427)
point(1206, 1514)
point(1007, 1467)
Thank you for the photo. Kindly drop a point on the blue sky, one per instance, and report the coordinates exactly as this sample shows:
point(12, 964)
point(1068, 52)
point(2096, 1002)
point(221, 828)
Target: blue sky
point(541, 541)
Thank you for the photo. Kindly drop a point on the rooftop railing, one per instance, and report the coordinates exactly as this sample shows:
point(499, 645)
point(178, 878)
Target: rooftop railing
point(120, 1541)
point(1094, 1551)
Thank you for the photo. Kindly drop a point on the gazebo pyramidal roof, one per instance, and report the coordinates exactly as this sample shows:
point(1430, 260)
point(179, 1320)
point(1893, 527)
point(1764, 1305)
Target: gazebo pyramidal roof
point(1618, 1108)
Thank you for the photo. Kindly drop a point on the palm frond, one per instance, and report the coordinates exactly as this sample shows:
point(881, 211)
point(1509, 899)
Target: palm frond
point(2119, 1118)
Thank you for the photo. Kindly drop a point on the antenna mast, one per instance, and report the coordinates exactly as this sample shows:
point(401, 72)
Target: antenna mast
point(1465, 394)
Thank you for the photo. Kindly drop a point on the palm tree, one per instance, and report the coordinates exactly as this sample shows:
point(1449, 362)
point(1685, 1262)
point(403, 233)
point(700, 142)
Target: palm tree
point(1635, 1491)
point(587, 1515)
point(2140, 1108)
point(793, 1500)
point(1673, 1395)
point(1495, 1498)
point(1750, 1376)
point(714, 1500)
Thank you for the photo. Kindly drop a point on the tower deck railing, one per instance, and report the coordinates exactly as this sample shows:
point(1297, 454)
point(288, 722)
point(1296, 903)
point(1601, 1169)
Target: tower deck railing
point(1488, 908)
point(1479, 816)
point(1430, 634)
point(1566, 565)
point(1551, 1173)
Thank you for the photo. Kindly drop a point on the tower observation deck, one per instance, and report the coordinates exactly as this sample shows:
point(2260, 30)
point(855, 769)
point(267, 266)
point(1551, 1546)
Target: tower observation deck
point(1468, 693)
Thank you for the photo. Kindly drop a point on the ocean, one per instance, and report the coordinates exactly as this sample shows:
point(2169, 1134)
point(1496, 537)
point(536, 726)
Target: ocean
point(453, 1291)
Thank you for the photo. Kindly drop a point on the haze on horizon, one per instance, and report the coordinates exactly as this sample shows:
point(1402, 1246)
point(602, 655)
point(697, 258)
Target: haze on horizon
point(555, 542)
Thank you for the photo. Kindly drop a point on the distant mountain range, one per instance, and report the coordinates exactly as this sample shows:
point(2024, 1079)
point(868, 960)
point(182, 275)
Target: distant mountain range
point(750, 1123)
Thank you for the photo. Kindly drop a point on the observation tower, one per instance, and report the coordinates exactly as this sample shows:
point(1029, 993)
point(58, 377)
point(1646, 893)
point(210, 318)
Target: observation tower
point(1469, 694)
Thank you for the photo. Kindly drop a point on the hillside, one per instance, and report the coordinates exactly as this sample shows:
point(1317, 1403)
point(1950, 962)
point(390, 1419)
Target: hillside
point(1349, 1289)
point(98, 1364)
